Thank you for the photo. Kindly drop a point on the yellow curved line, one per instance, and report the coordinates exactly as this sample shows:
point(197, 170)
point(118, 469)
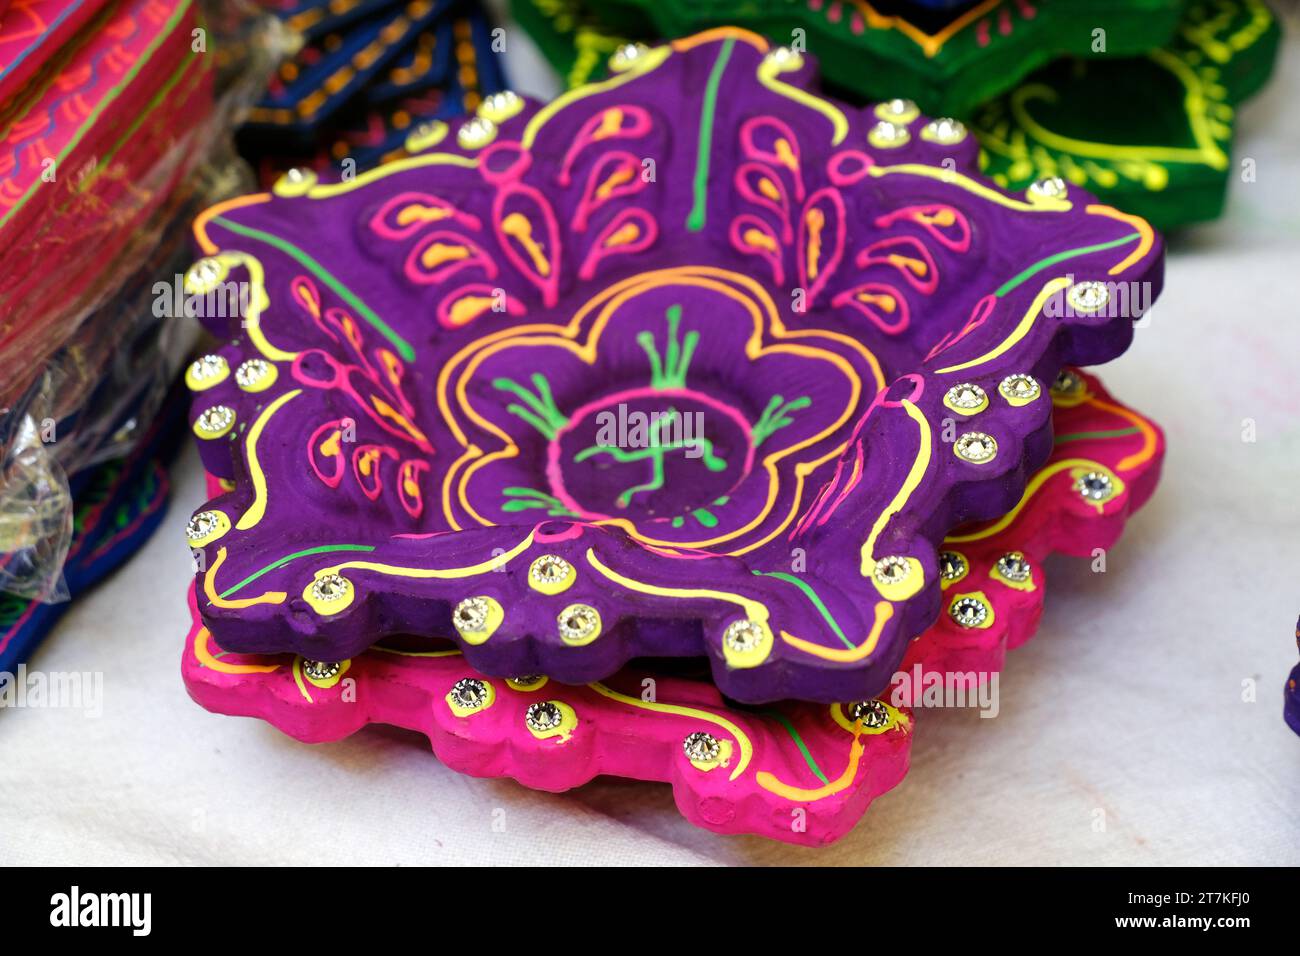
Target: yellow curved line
point(297, 679)
point(1019, 332)
point(393, 650)
point(1045, 204)
point(258, 302)
point(433, 573)
point(1035, 483)
point(652, 59)
point(216, 600)
point(754, 610)
point(843, 655)
point(212, 663)
point(770, 783)
point(202, 219)
point(325, 190)
point(914, 478)
point(1147, 240)
point(251, 517)
point(746, 747)
point(1206, 151)
point(1148, 449)
point(767, 75)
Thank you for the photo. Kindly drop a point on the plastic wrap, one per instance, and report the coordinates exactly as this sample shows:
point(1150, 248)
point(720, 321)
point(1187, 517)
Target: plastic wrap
point(90, 336)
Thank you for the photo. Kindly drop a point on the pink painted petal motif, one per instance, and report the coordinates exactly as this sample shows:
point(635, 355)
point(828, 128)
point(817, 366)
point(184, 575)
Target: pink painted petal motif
point(676, 347)
point(788, 762)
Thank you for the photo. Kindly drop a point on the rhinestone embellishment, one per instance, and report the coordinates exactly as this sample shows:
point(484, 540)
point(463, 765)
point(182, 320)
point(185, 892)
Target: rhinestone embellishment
point(477, 132)
point(1051, 188)
point(208, 367)
point(700, 747)
point(1068, 383)
point(1088, 298)
point(951, 565)
point(887, 135)
point(543, 716)
point(471, 615)
point(966, 397)
point(201, 525)
point(627, 55)
point(897, 111)
point(203, 276)
point(469, 693)
point(251, 372)
point(976, 447)
point(1014, 566)
point(499, 107)
point(578, 622)
point(320, 670)
point(969, 612)
point(215, 421)
point(892, 569)
point(1019, 388)
point(743, 635)
point(873, 713)
point(550, 571)
point(1095, 486)
point(331, 587)
point(945, 131)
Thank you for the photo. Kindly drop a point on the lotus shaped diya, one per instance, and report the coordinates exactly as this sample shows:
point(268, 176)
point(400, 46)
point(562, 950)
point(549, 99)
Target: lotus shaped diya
point(693, 361)
point(797, 772)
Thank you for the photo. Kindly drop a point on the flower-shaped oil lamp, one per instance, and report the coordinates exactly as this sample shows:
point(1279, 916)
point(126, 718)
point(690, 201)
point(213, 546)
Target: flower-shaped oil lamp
point(694, 361)
point(797, 772)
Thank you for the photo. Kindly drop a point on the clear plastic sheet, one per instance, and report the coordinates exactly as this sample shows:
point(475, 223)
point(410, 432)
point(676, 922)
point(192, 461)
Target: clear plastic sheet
point(84, 370)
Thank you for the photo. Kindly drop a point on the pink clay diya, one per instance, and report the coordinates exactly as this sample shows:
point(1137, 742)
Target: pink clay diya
point(797, 772)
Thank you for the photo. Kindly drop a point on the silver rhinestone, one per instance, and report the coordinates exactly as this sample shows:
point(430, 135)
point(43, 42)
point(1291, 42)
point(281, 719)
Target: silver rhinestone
point(320, 670)
point(1089, 298)
point(897, 110)
point(469, 693)
point(1095, 486)
point(976, 447)
point(528, 680)
point(969, 612)
point(872, 713)
point(965, 395)
point(297, 176)
point(217, 418)
point(543, 716)
point(331, 587)
point(701, 747)
point(251, 372)
point(208, 366)
point(944, 131)
point(887, 134)
point(743, 635)
point(627, 54)
point(471, 615)
point(951, 565)
point(1068, 383)
point(206, 271)
point(578, 621)
point(1020, 387)
point(500, 102)
point(477, 131)
point(550, 569)
point(1014, 566)
point(201, 525)
point(1051, 188)
point(892, 569)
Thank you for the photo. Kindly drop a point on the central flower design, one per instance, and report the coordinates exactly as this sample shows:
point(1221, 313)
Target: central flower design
point(676, 406)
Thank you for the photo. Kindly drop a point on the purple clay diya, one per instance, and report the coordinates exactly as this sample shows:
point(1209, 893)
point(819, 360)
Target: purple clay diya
point(692, 361)
point(1291, 708)
point(797, 772)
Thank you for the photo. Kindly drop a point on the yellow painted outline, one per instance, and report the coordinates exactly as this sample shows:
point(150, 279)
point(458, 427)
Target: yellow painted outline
point(952, 178)
point(251, 517)
point(1019, 332)
point(843, 655)
point(212, 663)
point(216, 600)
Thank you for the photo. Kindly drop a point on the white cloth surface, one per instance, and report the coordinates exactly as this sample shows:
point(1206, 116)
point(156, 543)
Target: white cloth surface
point(1129, 700)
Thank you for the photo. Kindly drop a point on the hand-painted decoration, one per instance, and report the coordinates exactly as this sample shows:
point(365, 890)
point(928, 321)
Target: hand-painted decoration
point(1150, 134)
point(706, 358)
point(796, 772)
